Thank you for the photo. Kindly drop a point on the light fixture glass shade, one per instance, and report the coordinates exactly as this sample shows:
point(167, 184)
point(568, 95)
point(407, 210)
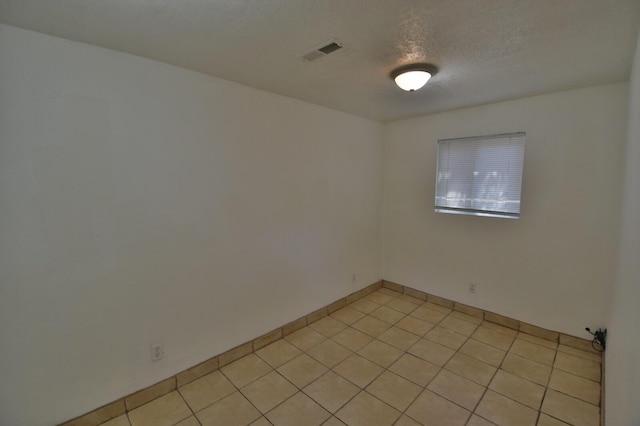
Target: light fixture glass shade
point(412, 80)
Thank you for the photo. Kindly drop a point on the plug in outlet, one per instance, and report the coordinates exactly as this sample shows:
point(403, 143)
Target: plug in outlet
point(157, 352)
point(473, 288)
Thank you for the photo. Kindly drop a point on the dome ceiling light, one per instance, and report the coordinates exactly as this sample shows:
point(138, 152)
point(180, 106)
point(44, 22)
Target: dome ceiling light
point(412, 77)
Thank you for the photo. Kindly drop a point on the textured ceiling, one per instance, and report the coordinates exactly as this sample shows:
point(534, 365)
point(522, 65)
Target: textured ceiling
point(486, 50)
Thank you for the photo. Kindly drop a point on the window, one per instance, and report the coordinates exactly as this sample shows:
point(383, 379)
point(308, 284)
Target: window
point(480, 176)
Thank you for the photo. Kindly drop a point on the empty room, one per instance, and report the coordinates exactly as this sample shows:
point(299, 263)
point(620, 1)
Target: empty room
point(339, 213)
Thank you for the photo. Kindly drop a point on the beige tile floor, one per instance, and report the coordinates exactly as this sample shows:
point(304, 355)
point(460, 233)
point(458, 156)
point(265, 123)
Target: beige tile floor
point(390, 359)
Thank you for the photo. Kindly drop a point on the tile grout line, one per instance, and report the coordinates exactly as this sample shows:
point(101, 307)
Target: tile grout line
point(318, 402)
point(506, 352)
point(498, 368)
point(385, 369)
point(444, 365)
point(441, 368)
point(426, 386)
point(239, 390)
point(226, 396)
point(193, 413)
point(398, 292)
point(546, 388)
point(308, 319)
point(329, 369)
point(285, 400)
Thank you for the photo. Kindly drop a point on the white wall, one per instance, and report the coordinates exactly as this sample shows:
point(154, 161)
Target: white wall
point(555, 265)
point(623, 350)
point(144, 202)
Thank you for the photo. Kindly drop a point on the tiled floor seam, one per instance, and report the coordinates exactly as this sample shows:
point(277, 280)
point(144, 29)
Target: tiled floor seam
point(402, 289)
point(315, 315)
point(193, 413)
point(486, 388)
point(384, 402)
point(318, 402)
point(236, 389)
point(454, 402)
point(440, 395)
point(573, 396)
point(538, 411)
point(274, 407)
point(570, 372)
point(404, 412)
point(426, 388)
point(406, 312)
point(544, 395)
point(281, 402)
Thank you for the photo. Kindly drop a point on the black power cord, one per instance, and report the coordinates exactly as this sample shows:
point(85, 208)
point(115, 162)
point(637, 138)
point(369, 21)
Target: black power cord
point(599, 338)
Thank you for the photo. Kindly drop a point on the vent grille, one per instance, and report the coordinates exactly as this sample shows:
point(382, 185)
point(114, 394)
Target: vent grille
point(330, 48)
point(322, 50)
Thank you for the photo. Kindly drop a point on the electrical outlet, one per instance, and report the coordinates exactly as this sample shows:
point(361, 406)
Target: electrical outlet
point(157, 351)
point(473, 288)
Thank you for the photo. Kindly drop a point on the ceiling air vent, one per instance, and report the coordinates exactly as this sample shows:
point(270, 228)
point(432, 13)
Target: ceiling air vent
point(322, 50)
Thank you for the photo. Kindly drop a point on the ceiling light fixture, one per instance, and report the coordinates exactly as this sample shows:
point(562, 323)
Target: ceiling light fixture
point(413, 77)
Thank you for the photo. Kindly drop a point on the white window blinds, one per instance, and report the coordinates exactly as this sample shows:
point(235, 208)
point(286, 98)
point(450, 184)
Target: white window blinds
point(480, 175)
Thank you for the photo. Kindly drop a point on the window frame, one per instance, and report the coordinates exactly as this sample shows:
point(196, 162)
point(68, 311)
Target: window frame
point(520, 140)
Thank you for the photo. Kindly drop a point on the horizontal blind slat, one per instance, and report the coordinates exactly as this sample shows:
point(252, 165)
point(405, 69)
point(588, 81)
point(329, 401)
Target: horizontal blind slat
point(481, 173)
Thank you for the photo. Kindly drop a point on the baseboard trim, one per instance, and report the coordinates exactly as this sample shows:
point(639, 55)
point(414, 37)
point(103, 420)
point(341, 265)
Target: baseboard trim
point(147, 394)
point(523, 327)
point(127, 403)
